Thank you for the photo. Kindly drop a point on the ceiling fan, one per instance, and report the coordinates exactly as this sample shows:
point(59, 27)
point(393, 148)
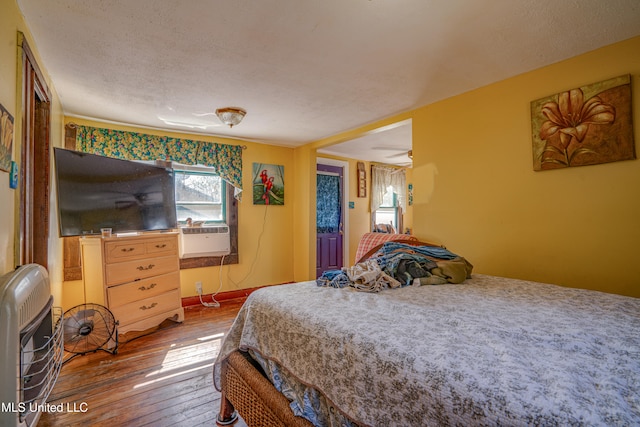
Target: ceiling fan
point(399, 152)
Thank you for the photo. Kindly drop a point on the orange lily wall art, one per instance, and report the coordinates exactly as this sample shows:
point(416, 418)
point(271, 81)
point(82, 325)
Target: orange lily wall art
point(584, 126)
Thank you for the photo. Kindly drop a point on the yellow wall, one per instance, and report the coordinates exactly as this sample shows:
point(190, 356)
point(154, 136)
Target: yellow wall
point(479, 195)
point(265, 238)
point(11, 22)
point(304, 217)
point(476, 192)
point(408, 212)
point(360, 215)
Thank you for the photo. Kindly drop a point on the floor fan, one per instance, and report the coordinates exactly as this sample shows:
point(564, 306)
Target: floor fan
point(88, 328)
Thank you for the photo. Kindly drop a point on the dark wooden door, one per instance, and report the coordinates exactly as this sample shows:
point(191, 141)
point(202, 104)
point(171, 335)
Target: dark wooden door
point(329, 218)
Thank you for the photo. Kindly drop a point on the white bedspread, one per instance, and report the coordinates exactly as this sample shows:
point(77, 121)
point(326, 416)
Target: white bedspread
point(491, 351)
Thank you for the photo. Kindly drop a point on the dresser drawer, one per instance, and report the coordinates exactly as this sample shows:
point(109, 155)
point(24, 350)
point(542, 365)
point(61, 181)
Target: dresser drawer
point(141, 289)
point(167, 246)
point(147, 307)
point(116, 250)
point(128, 271)
point(136, 276)
point(124, 250)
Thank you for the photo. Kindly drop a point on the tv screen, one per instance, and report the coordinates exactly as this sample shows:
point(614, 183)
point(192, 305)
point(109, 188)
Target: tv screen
point(97, 192)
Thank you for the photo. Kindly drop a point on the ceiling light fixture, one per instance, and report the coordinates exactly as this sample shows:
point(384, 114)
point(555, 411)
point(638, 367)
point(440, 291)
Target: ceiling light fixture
point(230, 116)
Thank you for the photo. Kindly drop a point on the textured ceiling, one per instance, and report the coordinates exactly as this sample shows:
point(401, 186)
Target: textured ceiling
point(303, 70)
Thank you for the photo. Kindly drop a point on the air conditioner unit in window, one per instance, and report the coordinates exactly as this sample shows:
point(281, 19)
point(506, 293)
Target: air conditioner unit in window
point(204, 241)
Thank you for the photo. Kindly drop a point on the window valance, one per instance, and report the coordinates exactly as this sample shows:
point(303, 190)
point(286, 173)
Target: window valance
point(225, 158)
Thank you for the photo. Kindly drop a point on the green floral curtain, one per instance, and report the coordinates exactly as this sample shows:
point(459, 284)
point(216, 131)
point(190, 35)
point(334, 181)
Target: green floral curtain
point(226, 159)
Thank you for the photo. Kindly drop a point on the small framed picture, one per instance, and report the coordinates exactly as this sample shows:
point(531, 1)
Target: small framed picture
point(268, 184)
point(13, 175)
point(362, 180)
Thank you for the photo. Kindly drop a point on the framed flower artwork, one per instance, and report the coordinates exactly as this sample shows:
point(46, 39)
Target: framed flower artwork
point(588, 125)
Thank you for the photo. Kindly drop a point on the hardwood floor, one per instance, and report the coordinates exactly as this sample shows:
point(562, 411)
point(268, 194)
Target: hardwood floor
point(160, 379)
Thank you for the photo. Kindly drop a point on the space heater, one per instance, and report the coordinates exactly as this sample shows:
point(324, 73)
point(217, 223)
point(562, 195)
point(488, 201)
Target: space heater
point(31, 352)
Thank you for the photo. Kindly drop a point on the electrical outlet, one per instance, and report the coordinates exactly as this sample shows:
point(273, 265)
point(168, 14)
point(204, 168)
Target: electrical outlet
point(199, 288)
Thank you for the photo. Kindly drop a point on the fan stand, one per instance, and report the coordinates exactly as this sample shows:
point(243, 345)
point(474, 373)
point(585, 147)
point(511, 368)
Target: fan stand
point(88, 328)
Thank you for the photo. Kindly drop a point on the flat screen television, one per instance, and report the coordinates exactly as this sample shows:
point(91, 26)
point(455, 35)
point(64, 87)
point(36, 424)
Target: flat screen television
point(97, 192)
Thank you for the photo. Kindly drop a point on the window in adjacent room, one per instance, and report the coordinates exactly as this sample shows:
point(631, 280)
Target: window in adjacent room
point(387, 214)
point(200, 195)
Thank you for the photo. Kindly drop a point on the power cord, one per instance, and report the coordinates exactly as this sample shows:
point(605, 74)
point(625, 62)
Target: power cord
point(255, 257)
point(214, 303)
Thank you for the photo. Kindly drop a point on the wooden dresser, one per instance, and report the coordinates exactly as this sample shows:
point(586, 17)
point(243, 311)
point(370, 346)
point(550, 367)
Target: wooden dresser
point(136, 277)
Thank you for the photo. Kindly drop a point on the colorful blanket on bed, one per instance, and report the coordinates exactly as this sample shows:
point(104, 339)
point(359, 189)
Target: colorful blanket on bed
point(493, 351)
point(399, 264)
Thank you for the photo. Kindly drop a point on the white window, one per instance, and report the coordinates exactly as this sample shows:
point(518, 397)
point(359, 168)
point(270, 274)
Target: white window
point(387, 213)
point(200, 194)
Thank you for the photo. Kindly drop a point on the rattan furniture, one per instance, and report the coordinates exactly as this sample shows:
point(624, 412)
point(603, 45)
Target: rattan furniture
point(247, 391)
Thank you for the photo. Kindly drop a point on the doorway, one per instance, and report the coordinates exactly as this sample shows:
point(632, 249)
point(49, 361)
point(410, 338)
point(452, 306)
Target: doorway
point(331, 216)
point(34, 163)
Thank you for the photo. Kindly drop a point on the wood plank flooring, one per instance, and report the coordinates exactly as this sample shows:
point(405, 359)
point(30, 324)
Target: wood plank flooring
point(163, 378)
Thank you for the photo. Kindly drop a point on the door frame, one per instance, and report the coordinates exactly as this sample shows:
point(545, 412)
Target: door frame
point(344, 203)
point(33, 209)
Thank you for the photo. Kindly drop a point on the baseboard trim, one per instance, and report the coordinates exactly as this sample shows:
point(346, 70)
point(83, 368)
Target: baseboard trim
point(222, 296)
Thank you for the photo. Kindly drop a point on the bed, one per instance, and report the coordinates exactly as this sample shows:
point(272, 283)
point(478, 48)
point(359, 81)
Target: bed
point(488, 351)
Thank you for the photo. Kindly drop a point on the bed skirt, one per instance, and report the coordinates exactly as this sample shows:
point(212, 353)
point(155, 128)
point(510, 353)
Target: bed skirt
point(246, 390)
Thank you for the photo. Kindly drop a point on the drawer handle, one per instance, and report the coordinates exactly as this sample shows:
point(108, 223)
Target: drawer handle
point(164, 245)
point(148, 307)
point(127, 249)
point(143, 268)
point(151, 286)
